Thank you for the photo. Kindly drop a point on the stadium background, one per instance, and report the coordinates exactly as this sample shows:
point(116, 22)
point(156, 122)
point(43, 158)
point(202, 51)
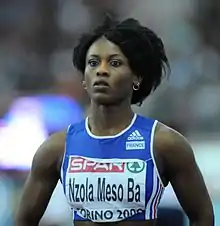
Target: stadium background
point(40, 91)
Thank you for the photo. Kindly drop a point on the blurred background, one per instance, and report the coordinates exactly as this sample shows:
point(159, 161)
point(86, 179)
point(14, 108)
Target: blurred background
point(40, 92)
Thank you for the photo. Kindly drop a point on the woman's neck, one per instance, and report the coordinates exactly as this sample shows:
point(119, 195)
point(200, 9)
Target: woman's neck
point(109, 120)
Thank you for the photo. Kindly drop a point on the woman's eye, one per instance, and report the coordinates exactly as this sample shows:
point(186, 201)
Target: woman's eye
point(115, 63)
point(93, 63)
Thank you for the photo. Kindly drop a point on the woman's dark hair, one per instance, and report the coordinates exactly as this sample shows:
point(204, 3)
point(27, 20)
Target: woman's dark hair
point(142, 47)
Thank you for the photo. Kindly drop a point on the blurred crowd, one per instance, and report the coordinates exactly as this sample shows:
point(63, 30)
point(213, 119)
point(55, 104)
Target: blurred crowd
point(37, 38)
point(40, 87)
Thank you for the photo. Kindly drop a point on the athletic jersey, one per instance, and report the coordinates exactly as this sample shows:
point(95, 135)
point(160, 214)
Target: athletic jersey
point(112, 178)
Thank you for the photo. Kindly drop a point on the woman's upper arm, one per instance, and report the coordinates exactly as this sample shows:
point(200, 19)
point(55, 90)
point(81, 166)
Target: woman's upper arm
point(182, 171)
point(41, 181)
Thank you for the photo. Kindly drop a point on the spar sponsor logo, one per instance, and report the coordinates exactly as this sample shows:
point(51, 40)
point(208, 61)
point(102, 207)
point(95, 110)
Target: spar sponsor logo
point(136, 167)
point(83, 165)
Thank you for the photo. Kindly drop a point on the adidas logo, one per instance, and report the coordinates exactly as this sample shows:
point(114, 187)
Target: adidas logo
point(135, 141)
point(135, 136)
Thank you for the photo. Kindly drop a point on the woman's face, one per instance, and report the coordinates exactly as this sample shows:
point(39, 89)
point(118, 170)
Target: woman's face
point(108, 77)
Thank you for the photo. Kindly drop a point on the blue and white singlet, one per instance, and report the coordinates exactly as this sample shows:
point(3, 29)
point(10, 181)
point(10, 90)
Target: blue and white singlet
point(112, 178)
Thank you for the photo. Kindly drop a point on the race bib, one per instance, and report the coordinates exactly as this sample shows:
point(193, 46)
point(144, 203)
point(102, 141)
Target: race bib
point(106, 189)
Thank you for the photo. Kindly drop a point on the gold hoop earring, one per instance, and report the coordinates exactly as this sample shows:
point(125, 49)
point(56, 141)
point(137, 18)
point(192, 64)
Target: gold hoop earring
point(136, 86)
point(84, 84)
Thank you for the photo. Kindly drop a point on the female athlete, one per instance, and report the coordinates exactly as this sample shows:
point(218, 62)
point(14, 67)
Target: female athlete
point(115, 165)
